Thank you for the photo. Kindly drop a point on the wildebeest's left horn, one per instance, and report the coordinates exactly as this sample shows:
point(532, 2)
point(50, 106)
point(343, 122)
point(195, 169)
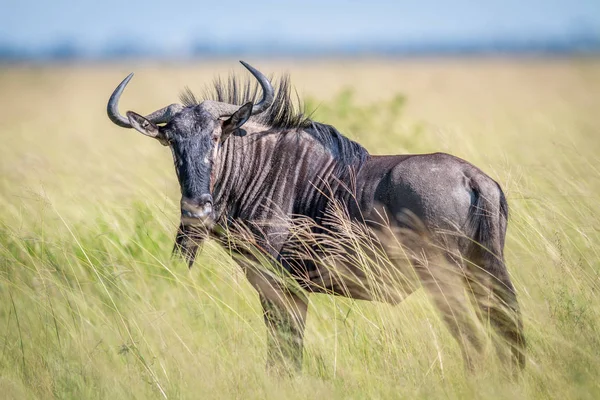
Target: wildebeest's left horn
point(158, 117)
point(267, 88)
point(220, 110)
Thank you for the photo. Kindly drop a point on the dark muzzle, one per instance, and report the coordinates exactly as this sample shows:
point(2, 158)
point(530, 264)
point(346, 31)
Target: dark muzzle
point(197, 211)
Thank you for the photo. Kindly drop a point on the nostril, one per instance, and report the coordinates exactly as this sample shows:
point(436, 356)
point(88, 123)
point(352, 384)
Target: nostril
point(186, 213)
point(205, 199)
point(196, 209)
point(194, 202)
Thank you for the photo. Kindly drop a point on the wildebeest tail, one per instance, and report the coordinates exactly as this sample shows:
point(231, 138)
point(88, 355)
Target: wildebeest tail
point(490, 284)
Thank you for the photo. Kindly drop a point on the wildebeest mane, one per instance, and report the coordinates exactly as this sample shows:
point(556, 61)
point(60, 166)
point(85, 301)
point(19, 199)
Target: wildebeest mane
point(285, 113)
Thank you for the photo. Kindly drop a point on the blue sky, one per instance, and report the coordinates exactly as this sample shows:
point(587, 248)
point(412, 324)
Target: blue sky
point(175, 24)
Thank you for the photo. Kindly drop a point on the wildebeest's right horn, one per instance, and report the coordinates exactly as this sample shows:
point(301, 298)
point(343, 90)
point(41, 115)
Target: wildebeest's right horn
point(268, 92)
point(158, 117)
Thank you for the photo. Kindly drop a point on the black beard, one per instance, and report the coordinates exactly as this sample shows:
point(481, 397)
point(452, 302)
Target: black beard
point(188, 240)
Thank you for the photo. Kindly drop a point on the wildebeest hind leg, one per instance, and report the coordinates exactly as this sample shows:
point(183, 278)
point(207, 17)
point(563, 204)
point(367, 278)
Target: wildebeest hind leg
point(443, 281)
point(495, 298)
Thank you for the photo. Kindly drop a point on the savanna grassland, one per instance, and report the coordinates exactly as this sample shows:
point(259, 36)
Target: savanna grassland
point(92, 306)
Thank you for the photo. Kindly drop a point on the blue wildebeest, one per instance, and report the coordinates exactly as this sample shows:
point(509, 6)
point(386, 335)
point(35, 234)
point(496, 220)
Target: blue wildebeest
point(257, 171)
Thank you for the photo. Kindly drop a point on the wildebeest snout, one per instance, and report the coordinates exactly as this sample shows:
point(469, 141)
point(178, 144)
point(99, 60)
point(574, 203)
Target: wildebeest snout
point(196, 211)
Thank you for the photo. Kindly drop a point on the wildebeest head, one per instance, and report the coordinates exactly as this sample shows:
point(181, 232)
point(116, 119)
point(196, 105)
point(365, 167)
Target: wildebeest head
point(193, 133)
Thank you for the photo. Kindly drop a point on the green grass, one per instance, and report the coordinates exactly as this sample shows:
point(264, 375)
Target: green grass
point(92, 306)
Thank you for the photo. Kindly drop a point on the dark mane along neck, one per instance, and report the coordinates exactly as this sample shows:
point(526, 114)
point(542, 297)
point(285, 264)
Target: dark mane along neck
point(285, 114)
point(347, 152)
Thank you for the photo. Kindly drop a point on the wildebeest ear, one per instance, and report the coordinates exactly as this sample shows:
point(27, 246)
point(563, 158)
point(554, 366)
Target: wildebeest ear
point(142, 125)
point(238, 119)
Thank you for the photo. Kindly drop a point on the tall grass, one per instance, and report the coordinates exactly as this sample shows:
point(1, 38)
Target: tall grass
point(92, 306)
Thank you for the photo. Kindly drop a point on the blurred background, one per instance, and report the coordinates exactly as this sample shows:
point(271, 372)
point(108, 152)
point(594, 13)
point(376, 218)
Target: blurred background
point(92, 305)
point(189, 29)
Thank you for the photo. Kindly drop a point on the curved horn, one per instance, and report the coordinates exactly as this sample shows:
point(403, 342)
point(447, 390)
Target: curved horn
point(112, 109)
point(219, 109)
point(158, 117)
point(268, 92)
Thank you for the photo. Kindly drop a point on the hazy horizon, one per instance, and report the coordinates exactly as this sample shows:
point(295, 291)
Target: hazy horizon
point(92, 28)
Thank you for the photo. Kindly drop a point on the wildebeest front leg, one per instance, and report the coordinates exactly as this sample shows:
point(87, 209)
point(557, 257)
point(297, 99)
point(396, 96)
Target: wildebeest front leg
point(284, 311)
point(286, 333)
